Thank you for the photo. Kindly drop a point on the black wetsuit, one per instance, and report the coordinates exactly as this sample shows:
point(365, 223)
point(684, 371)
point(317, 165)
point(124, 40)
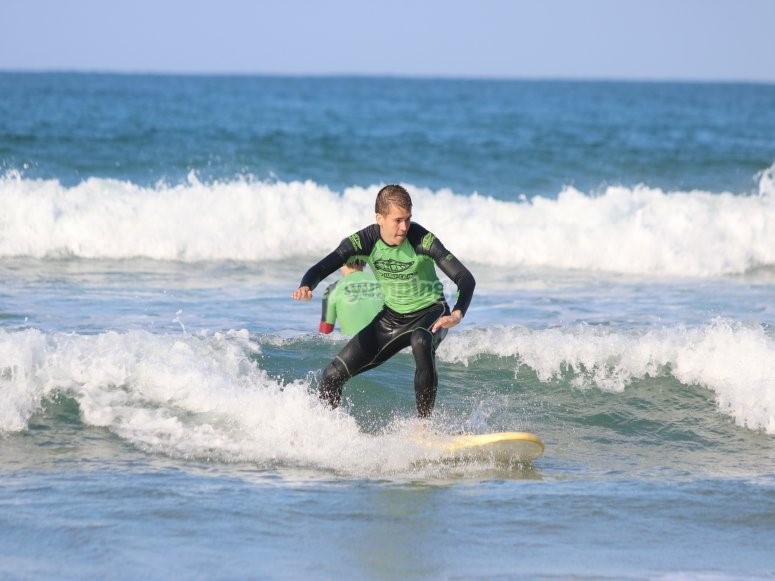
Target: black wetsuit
point(414, 301)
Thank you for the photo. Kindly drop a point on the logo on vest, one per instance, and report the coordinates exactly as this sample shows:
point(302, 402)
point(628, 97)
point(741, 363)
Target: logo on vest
point(393, 269)
point(361, 289)
point(391, 265)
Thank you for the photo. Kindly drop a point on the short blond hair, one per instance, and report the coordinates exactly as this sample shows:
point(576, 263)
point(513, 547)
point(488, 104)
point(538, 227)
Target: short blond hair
point(392, 195)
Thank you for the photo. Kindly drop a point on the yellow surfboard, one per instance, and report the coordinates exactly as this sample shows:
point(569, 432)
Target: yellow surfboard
point(502, 446)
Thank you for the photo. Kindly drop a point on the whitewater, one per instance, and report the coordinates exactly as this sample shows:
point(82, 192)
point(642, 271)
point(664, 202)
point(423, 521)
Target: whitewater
point(661, 233)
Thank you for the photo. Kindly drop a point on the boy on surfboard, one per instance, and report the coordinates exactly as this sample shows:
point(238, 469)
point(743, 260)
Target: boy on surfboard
point(402, 256)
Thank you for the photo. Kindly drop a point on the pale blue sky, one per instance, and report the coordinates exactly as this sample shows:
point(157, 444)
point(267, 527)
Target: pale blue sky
point(602, 39)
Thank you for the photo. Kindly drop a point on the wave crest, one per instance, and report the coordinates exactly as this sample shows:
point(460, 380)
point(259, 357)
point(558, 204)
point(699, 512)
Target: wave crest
point(736, 362)
point(637, 230)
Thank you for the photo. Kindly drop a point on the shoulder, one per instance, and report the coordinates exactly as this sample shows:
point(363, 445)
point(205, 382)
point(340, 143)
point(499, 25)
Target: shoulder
point(420, 238)
point(330, 289)
point(416, 232)
point(364, 239)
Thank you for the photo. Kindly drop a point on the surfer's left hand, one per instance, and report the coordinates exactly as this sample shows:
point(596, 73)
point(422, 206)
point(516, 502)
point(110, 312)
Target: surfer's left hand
point(448, 321)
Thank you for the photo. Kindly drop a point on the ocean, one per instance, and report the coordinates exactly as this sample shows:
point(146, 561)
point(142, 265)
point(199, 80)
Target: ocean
point(158, 416)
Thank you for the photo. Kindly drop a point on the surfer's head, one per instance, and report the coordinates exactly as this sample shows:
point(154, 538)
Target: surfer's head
point(392, 195)
point(352, 265)
point(394, 214)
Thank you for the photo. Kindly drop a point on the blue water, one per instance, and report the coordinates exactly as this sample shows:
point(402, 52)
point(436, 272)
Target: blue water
point(498, 138)
point(157, 406)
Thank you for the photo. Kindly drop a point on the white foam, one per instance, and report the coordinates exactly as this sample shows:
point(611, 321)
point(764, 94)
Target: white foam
point(206, 397)
point(187, 396)
point(637, 230)
point(735, 361)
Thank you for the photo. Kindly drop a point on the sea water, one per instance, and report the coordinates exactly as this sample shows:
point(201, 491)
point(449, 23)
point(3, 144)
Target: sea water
point(158, 415)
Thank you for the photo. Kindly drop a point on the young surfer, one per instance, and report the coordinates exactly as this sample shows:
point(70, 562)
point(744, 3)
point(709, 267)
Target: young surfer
point(402, 255)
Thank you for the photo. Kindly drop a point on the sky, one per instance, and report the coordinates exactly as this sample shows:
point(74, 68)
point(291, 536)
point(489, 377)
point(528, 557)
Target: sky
point(693, 40)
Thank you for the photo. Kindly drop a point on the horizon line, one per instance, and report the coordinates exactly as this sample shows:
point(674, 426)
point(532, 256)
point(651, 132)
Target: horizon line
point(397, 76)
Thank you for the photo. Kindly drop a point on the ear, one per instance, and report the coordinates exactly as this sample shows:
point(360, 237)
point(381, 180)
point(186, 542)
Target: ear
point(380, 218)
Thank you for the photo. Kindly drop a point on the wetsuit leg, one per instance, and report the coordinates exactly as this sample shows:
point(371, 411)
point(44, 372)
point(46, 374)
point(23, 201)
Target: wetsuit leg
point(357, 356)
point(332, 382)
point(426, 378)
point(385, 336)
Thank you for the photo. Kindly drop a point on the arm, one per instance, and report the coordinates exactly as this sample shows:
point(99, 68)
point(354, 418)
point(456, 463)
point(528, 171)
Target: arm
point(461, 276)
point(322, 269)
point(464, 280)
point(328, 316)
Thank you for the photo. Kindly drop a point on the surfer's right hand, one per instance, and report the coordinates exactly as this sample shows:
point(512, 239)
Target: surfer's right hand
point(302, 294)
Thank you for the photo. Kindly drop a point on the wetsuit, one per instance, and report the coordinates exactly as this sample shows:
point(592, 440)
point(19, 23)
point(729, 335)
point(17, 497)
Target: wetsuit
point(352, 301)
point(414, 301)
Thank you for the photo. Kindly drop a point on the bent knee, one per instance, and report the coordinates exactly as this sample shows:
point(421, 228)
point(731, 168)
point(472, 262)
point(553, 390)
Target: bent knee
point(334, 373)
point(334, 378)
point(421, 340)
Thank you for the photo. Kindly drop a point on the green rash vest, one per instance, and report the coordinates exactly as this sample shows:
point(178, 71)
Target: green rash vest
point(352, 302)
point(405, 272)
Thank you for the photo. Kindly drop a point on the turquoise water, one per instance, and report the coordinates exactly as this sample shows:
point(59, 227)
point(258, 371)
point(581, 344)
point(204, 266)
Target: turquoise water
point(157, 406)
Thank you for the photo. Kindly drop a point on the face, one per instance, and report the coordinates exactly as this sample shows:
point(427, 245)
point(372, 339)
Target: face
point(394, 226)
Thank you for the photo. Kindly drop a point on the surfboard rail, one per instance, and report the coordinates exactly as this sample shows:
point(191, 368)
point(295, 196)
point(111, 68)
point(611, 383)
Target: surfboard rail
point(504, 446)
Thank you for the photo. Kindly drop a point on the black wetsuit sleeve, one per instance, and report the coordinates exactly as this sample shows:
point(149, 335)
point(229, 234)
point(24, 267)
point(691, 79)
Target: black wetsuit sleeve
point(322, 269)
point(346, 249)
point(457, 272)
point(326, 296)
